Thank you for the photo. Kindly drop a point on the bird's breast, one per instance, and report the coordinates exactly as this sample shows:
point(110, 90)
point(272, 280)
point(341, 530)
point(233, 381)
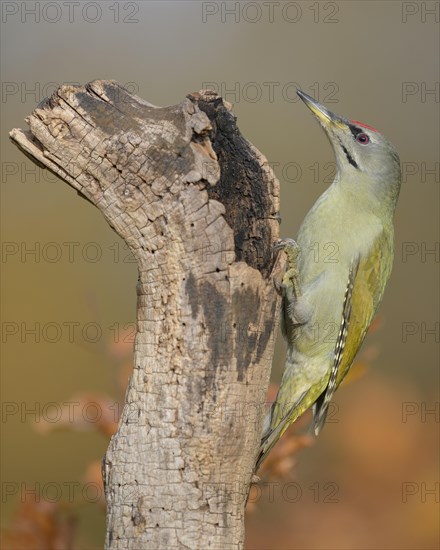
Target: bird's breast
point(329, 239)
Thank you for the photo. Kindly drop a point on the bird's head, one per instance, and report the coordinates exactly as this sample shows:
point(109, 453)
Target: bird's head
point(360, 149)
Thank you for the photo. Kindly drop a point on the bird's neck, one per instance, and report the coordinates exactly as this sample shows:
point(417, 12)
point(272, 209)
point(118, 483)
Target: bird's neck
point(369, 193)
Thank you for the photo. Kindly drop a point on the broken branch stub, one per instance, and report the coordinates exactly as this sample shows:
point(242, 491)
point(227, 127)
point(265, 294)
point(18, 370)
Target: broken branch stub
point(197, 205)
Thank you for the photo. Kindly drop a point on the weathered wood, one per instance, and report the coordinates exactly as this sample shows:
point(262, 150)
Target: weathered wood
point(197, 205)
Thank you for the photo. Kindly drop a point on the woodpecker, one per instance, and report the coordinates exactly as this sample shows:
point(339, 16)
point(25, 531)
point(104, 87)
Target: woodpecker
point(337, 269)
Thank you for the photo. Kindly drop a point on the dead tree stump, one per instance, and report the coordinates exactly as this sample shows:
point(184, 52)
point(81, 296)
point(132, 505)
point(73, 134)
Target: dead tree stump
point(197, 204)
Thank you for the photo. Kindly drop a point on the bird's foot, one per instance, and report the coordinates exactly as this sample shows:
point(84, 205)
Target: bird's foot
point(290, 247)
point(290, 278)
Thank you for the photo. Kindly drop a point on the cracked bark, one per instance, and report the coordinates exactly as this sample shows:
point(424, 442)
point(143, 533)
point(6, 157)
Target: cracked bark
point(197, 205)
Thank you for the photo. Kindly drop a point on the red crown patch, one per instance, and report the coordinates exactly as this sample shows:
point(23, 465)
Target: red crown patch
point(364, 125)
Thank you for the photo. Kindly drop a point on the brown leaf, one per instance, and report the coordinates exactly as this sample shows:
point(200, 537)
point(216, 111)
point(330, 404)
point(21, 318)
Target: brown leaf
point(39, 525)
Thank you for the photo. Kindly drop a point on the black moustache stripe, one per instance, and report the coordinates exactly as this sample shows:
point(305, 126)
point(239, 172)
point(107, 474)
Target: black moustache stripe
point(349, 157)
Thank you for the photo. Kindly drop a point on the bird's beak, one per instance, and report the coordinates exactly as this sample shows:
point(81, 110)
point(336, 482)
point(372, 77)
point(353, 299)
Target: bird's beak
point(325, 117)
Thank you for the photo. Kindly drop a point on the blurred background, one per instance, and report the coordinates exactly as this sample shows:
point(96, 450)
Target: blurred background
point(371, 481)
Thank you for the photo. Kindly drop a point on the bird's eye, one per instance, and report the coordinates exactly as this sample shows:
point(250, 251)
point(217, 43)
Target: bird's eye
point(363, 139)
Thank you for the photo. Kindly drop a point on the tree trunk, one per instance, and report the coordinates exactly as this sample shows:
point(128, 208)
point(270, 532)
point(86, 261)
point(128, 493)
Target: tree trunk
point(197, 204)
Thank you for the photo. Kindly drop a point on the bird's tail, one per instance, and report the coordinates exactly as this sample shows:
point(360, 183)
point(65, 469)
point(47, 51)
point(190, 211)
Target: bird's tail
point(271, 433)
point(268, 440)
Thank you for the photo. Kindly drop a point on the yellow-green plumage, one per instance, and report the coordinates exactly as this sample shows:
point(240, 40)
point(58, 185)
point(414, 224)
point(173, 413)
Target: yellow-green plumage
point(355, 217)
point(374, 271)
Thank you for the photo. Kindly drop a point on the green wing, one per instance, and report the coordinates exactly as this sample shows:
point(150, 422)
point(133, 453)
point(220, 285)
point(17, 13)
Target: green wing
point(373, 274)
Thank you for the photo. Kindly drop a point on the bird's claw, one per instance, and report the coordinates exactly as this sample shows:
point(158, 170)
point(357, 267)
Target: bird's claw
point(286, 244)
point(292, 250)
